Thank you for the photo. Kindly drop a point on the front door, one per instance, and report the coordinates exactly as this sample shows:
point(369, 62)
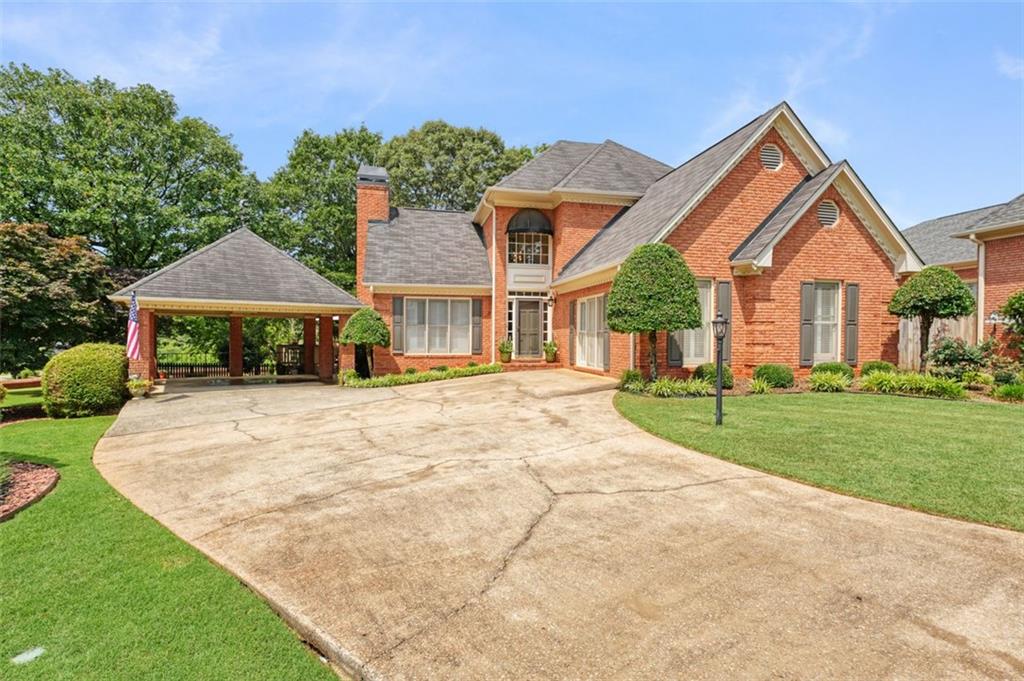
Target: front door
point(528, 328)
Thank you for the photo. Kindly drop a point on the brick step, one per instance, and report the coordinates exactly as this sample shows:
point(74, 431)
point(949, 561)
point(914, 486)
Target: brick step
point(529, 365)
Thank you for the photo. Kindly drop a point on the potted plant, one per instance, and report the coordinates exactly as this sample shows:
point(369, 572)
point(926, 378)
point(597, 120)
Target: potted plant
point(550, 350)
point(505, 350)
point(138, 387)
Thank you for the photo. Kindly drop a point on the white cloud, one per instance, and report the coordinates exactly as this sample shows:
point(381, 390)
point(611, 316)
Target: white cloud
point(1009, 65)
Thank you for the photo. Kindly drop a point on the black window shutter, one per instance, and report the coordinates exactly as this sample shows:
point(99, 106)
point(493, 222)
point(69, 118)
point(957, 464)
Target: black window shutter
point(607, 333)
point(807, 324)
point(572, 332)
point(852, 325)
point(724, 307)
point(477, 336)
point(398, 324)
point(675, 348)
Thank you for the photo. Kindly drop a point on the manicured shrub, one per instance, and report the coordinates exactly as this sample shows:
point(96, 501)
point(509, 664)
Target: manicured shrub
point(933, 293)
point(410, 370)
point(829, 381)
point(352, 379)
point(833, 368)
point(708, 372)
point(653, 291)
point(366, 329)
point(778, 375)
point(85, 380)
point(760, 386)
point(871, 367)
point(1012, 392)
point(26, 373)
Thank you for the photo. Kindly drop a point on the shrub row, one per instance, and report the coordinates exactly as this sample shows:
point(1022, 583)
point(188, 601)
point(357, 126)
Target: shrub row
point(833, 368)
point(889, 382)
point(830, 381)
point(351, 379)
point(676, 387)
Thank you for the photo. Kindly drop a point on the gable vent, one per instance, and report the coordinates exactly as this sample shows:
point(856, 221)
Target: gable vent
point(771, 157)
point(828, 213)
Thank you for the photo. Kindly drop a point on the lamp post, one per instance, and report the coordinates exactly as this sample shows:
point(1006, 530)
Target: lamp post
point(720, 325)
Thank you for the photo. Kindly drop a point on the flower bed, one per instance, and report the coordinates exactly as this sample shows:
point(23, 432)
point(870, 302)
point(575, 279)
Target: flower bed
point(25, 484)
point(351, 380)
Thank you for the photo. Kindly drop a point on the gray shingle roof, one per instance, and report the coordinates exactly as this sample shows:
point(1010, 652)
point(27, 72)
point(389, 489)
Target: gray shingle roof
point(642, 222)
point(426, 247)
point(778, 221)
point(1007, 214)
point(608, 167)
point(242, 267)
point(933, 240)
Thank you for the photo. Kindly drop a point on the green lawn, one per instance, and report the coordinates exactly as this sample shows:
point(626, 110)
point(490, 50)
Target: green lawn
point(109, 593)
point(959, 459)
point(22, 396)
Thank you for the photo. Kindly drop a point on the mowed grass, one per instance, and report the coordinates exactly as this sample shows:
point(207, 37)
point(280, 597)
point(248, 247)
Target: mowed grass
point(23, 396)
point(110, 594)
point(958, 459)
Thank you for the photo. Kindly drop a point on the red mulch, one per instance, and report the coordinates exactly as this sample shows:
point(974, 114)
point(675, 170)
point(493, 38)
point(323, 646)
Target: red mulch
point(27, 484)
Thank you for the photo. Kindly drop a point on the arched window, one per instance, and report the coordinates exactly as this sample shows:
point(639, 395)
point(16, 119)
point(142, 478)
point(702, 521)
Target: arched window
point(529, 238)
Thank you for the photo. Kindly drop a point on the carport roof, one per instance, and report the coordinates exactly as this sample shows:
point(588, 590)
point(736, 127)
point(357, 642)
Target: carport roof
point(239, 272)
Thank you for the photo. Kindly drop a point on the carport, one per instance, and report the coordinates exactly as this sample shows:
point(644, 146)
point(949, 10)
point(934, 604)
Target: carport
point(238, 276)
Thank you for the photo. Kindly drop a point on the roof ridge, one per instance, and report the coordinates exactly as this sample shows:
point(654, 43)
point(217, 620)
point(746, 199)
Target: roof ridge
point(637, 152)
point(535, 158)
point(579, 166)
point(953, 215)
point(296, 261)
point(180, 261)
point(431, 210)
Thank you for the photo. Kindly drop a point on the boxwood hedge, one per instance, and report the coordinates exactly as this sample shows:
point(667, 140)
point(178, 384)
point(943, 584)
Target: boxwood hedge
point(708, 373)
point(778, 375)
point(87, 379)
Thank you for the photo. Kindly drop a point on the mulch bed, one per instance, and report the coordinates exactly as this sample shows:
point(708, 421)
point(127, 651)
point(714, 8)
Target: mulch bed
point(27, 484)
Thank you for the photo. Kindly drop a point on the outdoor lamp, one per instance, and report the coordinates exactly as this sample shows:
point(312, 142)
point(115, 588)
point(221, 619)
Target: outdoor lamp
point(719, 325)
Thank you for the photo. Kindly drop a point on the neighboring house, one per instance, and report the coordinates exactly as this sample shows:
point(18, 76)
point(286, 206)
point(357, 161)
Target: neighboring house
point(788, 245)
point(985, 247)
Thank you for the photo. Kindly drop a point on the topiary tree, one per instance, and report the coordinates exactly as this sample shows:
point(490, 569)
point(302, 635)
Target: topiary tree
point(933, 293)
point(88, 379)
point(1013, 310)
point(365, 329)
point(653, 291)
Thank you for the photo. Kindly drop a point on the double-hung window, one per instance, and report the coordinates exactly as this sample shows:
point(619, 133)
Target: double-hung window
point(438, 326)
point(826, 322)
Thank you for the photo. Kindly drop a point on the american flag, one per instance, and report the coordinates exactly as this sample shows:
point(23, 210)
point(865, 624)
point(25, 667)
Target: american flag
point(133, 329)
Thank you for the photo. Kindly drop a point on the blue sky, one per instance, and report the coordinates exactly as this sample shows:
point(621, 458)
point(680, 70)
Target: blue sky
point(926, 101)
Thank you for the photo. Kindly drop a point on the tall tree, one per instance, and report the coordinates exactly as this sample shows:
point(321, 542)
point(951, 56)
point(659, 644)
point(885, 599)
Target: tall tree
point(653, 291)
point(50, 294)
point(933, 293)
point(115, 165)
point(439, 165)
point(309, 205)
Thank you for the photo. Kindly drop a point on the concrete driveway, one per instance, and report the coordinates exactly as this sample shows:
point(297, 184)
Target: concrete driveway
point(515, 527)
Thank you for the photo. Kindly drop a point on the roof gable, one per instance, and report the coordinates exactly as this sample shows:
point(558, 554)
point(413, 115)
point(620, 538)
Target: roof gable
point(673, 196)
point(240, 267)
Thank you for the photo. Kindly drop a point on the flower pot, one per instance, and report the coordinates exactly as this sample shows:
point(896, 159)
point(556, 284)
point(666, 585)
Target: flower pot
point(137, 393)
point(549, 357)
point(505, 357)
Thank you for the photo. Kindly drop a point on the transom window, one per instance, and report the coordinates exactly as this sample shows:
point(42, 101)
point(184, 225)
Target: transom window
point(826, 322)
point(528, 248)
point(696, 343)
point(438, 326)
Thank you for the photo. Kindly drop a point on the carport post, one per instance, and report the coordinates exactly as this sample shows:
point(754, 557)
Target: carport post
point(326, 349)
point(308, 345)
point(234, 346)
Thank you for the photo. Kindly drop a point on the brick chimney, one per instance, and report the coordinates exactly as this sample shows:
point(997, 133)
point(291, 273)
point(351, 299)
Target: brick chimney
point(372, 204)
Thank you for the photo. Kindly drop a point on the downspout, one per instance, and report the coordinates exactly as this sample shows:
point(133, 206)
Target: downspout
point(980, 321)
point(494, 271)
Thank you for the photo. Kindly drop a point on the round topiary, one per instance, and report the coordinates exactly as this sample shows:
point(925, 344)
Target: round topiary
point(88, 379)
point(833, 368)
point(778, 375)
point(707, 372)
point(365, 329)
point(933, 293)
point(871, 367)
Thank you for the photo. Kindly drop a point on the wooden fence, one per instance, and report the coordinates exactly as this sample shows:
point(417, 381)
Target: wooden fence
point(910, 334)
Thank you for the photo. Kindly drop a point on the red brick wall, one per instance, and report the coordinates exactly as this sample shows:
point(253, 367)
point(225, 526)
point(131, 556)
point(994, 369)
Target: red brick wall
point(388, 363)
point(1004, 275)
point(575, 225)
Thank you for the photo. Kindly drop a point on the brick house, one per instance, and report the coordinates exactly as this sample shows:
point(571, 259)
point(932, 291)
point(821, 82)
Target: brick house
point(985, 246)
point(788, 245)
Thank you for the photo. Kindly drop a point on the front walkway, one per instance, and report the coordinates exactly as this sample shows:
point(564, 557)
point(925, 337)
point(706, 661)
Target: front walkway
point(514, 527)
